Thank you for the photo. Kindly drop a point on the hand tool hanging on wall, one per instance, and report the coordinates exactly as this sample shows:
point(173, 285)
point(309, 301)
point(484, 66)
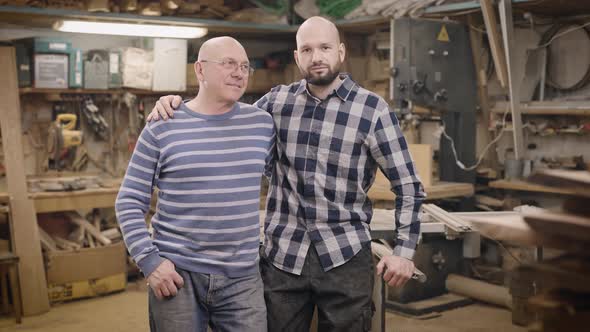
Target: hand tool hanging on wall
point(135, 118)
point(95, 119)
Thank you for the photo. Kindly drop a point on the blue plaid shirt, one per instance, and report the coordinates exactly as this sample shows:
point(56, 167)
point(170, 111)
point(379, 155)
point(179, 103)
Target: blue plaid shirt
point(327, 154)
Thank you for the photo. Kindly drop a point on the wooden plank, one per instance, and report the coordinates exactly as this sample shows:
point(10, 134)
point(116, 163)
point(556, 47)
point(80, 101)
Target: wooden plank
point(491, 23)
point(112, 234)
point(577, 182)
point(566, 225)
point(75, 193)
point(560, 310)
point(514, 81)
point(90, 240)
point(65, 244)
point(449, 189)
point(513, 229)
point(422, 156)
point(453, 222)
point(526, 186)
point(47, 241)
point(24, 227)
point(489, 201)
point(80, 221)
point(482, 90)
point(439, 190)
point(67, 201)
point(577, 205)
point(566, 272)
point(77, 235)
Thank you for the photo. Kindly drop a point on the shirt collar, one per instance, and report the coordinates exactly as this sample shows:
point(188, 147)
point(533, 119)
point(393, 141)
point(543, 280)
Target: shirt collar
point(342, 91)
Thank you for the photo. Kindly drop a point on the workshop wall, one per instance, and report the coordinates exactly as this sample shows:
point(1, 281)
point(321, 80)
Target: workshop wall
point(570, 56)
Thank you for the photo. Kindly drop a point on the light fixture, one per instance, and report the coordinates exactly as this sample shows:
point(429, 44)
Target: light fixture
point(130, 29)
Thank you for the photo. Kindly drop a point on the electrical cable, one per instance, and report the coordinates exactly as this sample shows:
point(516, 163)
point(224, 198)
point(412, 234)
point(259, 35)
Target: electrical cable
point(483, 153)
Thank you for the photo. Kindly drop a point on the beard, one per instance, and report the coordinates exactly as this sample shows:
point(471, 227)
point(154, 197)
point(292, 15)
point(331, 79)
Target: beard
point(325, 79)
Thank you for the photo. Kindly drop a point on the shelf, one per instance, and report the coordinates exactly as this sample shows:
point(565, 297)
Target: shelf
point(45, 17)
point(191, 91)
point(548, 108)
point(31, 91)
point(547, 7)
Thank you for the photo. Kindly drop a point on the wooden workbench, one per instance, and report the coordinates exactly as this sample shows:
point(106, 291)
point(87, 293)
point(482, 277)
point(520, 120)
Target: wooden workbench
point(56, 201)
point(73, 200)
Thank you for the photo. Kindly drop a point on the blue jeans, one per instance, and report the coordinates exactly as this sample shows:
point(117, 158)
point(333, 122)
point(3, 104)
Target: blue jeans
point(224, 304)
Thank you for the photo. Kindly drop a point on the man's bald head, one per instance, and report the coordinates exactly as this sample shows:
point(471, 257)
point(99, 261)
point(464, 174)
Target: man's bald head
point(317, 25)
point(219, 47)
point(319, 53)
point(220, 69)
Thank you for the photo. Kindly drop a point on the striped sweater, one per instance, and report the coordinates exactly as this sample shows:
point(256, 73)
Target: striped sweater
point(207, 169)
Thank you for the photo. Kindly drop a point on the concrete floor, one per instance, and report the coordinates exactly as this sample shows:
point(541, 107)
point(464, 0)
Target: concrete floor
point(127, 311)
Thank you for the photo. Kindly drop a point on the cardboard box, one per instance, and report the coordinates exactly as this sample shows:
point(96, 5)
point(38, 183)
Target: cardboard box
point(86, 264)
point(137, 65)
point(87, 288)
point(170, 57)
point(87, 272)
point(51, 71)
point(96, 69)
point(76, 69)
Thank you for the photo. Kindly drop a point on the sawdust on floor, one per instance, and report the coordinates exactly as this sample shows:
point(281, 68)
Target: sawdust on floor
point(127, 311)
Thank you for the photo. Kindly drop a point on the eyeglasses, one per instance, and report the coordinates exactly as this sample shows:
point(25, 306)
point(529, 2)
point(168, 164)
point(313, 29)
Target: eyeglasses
point(232, 65)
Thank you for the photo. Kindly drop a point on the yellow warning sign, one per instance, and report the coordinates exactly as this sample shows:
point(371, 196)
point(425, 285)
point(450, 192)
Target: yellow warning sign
point(443, 35)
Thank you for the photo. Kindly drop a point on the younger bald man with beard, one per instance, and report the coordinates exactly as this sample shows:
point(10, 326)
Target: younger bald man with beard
point(202, 261)
point(332, 137)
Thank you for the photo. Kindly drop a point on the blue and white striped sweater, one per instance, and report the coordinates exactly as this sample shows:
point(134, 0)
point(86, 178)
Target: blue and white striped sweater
point(207, 169)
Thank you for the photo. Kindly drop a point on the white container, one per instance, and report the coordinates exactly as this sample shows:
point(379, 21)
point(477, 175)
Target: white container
point(170, 58)
point(137, 65)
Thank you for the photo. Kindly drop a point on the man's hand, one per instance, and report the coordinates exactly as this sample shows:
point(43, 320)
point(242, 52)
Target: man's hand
point(164, 108)
point(398, 270)
point(165, 281)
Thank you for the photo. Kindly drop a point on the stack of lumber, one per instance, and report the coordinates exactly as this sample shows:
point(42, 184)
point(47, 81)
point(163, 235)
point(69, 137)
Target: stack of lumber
point(563, 283)
point(550, 294)
point(70, 231)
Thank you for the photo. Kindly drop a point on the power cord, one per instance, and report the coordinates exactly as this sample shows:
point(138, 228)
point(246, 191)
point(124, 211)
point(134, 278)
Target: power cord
point(485, 150)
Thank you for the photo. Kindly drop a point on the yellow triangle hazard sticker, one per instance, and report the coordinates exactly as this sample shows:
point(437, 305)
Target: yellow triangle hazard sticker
point(443, 35)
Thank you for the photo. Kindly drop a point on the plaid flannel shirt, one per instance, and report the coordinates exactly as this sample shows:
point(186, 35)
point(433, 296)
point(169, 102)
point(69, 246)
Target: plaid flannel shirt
point(327, 154)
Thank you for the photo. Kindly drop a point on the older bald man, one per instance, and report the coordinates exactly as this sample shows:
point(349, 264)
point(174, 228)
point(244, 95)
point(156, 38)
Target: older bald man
point(202, 260)
point(332, 136)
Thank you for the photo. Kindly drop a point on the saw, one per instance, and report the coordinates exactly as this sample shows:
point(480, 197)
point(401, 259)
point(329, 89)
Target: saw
point(63, 139)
